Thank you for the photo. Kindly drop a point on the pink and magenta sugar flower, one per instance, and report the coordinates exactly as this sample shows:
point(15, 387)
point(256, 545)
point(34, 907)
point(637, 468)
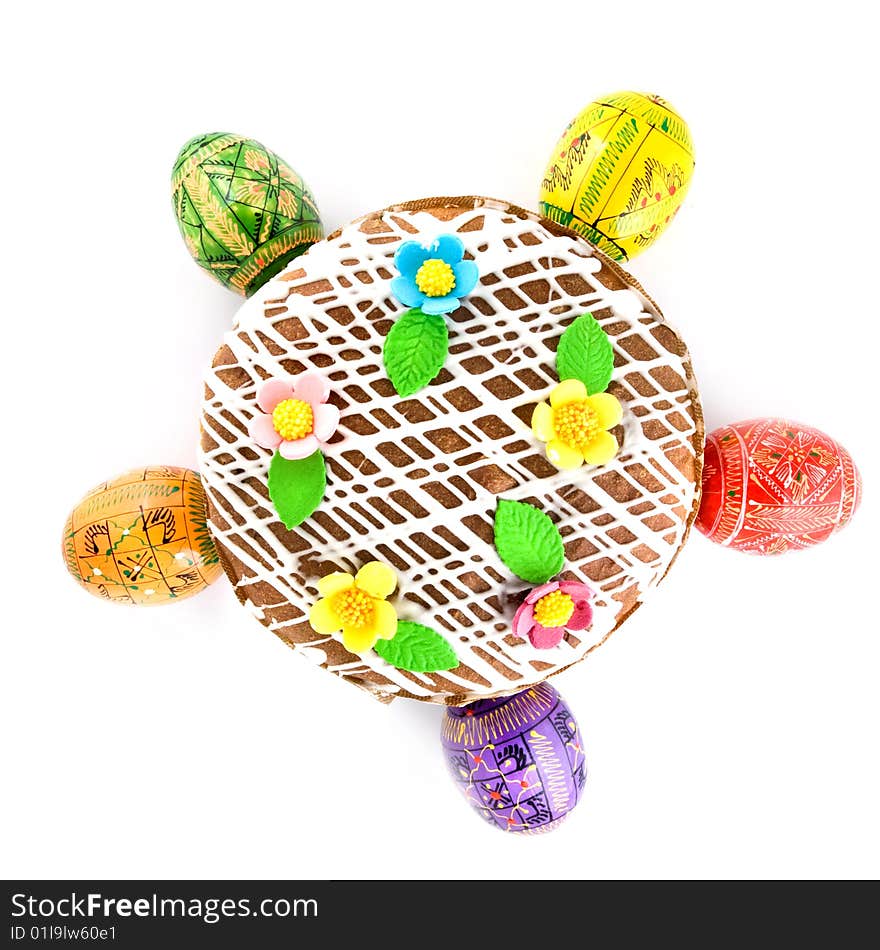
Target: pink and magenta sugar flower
point(296, 418)
point(551, 609)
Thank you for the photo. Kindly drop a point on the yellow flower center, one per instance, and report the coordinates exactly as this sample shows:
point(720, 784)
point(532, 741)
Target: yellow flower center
point(293, 419)
point(576, 423)
point(554, 609)
point(354, 607)
point(435, 278)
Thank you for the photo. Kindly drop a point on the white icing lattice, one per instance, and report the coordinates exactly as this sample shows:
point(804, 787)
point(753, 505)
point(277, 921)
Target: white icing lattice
point(414, 482)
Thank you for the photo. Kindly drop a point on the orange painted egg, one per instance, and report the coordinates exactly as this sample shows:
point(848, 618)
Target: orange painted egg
point(772, 485)
point(142, 538)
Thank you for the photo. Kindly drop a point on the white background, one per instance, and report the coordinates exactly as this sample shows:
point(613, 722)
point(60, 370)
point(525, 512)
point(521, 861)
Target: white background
point(731, 725)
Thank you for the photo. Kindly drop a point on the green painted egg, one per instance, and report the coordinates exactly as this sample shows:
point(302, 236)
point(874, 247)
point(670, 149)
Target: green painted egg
point(243, 212)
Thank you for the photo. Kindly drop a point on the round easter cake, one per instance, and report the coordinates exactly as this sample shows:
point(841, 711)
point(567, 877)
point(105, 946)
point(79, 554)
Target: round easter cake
point(416, 482)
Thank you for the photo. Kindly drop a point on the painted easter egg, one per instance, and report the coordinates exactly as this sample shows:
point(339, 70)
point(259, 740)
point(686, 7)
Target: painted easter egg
point(142, 538)
point(519, 761)
point(772, 485)
point(619, 172)
point(243, 212)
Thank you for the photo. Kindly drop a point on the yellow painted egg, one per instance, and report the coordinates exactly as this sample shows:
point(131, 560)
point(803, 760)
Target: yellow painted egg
point(619, 172)
point(142, 538)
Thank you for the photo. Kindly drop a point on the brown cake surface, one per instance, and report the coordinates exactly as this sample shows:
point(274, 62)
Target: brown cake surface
point(414, 482)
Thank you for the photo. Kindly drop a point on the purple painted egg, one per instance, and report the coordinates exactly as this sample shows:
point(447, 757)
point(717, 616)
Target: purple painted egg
point(519, 761)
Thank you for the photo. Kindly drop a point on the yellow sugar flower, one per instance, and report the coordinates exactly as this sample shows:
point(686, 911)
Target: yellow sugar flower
point(575, 425)
point(357, 606)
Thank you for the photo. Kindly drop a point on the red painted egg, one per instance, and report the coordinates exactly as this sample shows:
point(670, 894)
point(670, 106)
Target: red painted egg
point(772, 485)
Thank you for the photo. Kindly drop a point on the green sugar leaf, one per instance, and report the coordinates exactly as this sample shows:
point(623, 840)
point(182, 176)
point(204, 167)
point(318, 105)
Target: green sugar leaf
point(585, 353)
point(415, 350)
point(527, 541)
point(296, 486)
point(417, 648)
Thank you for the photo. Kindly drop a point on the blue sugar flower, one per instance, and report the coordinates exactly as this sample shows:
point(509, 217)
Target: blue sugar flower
point(434, 276)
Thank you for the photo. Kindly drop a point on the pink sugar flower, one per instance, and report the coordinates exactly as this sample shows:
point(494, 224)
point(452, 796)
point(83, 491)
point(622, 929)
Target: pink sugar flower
point(296, 418)
point(551, 609)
